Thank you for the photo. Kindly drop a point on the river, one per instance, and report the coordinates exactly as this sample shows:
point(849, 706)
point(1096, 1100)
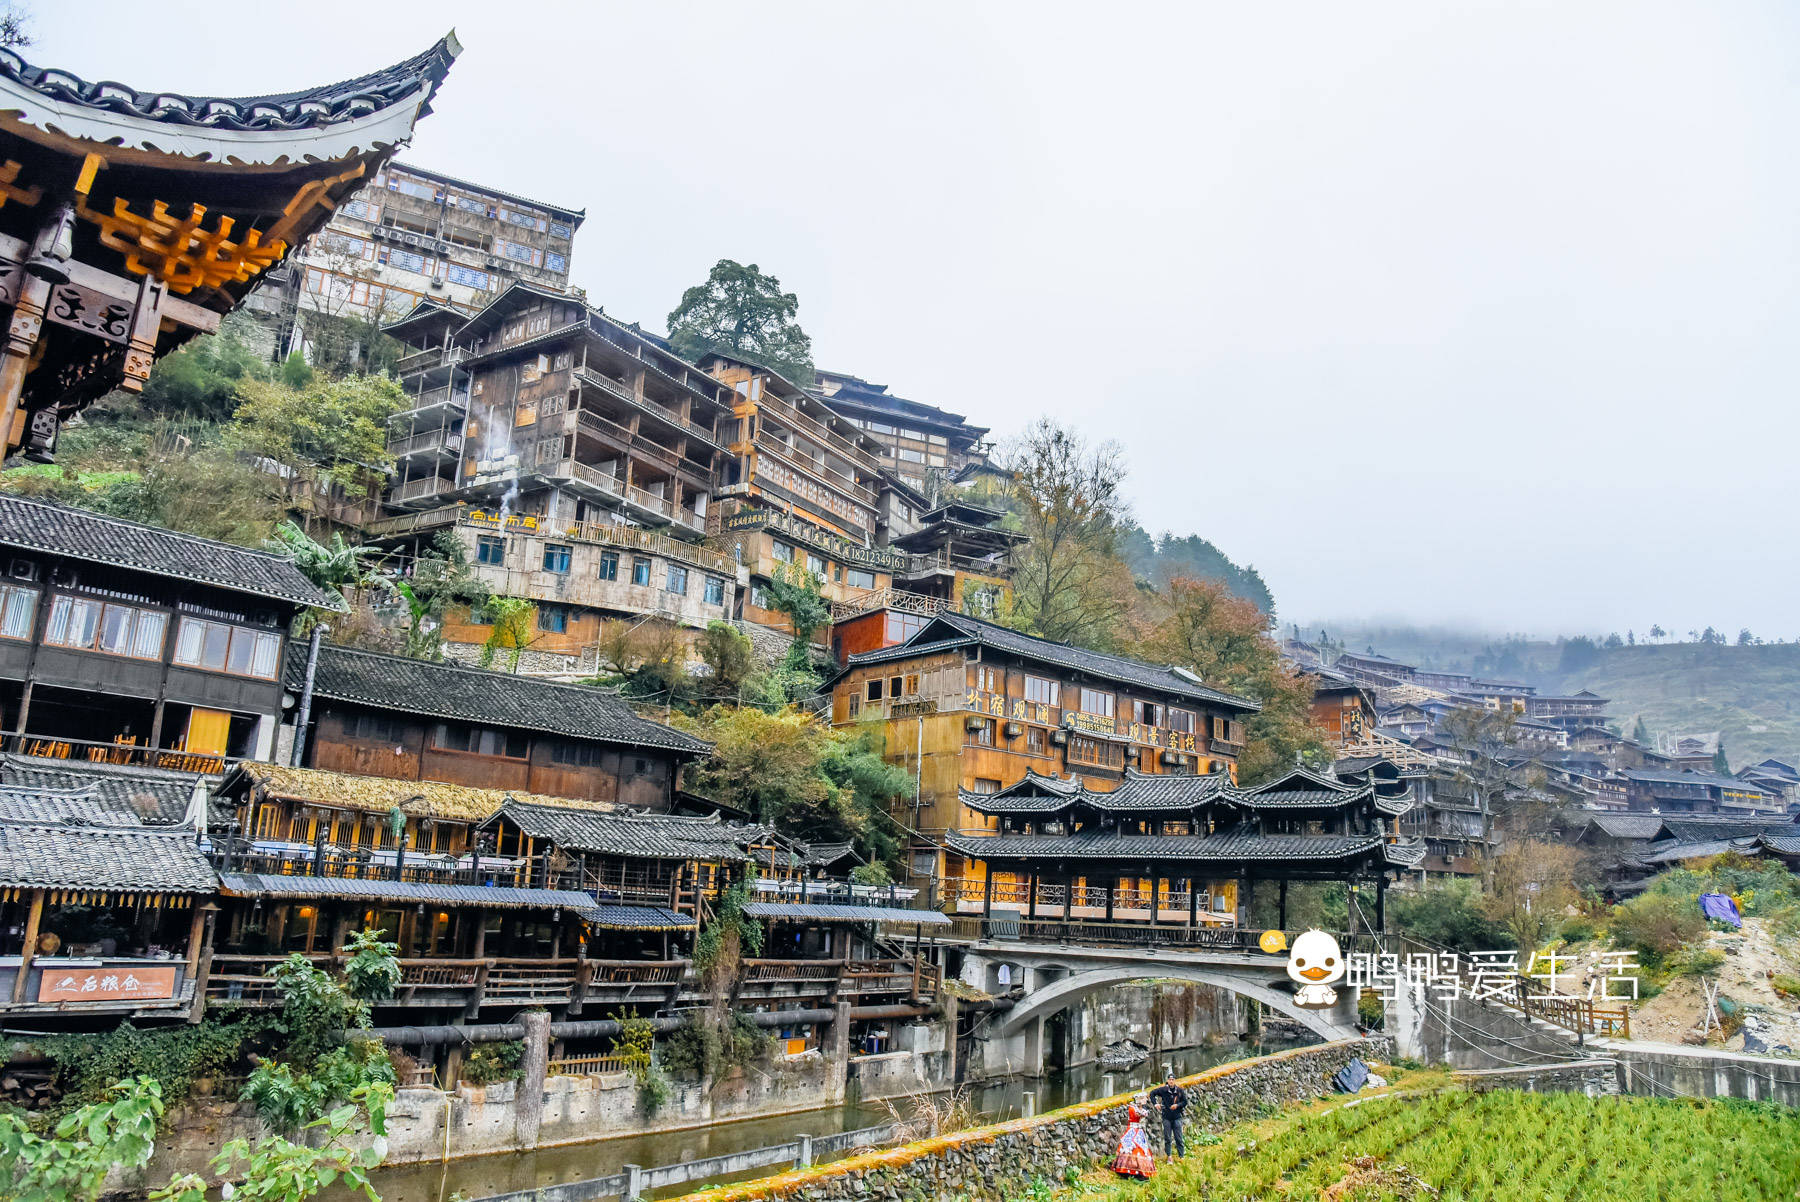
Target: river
point(477, 1177)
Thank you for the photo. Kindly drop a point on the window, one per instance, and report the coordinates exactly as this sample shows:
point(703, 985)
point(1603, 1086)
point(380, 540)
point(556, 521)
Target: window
point(559, 230)
point(985, 786)
point(518, 253)
point(480, 740)
point(1099, 753)
point(556, 262)
point(103, 626)
point(981, 732)
point(1097, 702)
point(874, 689)
point(378, 728)
point(759, 597)
point(715, 590)
point(1034, 740)
point(907, 455)
point(18, 606)
point(468, 277)
point(1147, 713)
point(894, 687)
point(781, 552)
point(855, 704)
point(640, 570)
point(553, 618)
point(815, 565)
point(218, 647)
point(1045, 692)
point(987, 680)
point(407, 260)
point(481, 615)
point(609, 565)
point(859, 578)
point(1181, 720)
point(676, 582)
point(584, 755)
point(489, 549)
point(530, 221)
point(556, 558)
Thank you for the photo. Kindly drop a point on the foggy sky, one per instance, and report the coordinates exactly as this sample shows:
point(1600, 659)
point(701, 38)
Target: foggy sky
point(1458, 313)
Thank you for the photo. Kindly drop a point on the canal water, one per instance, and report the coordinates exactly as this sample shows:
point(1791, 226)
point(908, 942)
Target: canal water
point(478, 1177)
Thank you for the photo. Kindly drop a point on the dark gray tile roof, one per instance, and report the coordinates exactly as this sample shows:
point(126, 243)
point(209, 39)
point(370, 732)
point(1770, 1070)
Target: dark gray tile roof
point(954, 630)
point(134, 859)
point(804, 855)
point(1671, 851)
point(63, 807)
point(825, 912)
point(1781, 845)
point(1626, 826)
point(473, 695)
point(1158, 791)
point(1696, 827)
point(1227, 847)
point(96, 538)
point(156, 796)
point(639, 836)
point(314, 108)
point(262, 884)
point(614, 917)
point(1034, 793)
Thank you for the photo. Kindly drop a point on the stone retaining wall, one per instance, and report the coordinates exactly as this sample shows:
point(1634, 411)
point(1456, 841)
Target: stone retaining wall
point(989, 1164)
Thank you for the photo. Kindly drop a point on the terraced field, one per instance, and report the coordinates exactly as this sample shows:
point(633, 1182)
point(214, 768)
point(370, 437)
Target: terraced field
point(1495, 1147)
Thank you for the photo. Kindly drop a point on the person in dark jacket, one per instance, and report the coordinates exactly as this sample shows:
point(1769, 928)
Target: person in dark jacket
point(1171, 1102)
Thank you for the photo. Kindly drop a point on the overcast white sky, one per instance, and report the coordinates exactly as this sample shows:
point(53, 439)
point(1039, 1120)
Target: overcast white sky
point(1472, 313)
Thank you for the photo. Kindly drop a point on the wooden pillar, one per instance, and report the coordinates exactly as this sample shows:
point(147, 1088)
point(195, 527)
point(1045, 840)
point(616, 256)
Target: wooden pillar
point(1031, 893)
point(1193, 903)
point(987, 894)
point(1282, 922)
point(22, 335)
point(1249, 901)
point(34, 919)
point(1381, 904)
point(1155, 899)
point(1110, 891)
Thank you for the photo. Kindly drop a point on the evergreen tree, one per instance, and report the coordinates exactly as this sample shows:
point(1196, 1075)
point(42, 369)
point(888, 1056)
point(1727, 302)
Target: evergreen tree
point(740, 311)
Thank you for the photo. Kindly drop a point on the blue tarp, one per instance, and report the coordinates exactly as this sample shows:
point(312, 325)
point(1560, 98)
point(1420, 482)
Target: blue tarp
point(1721, 908)
point(1351, 1077)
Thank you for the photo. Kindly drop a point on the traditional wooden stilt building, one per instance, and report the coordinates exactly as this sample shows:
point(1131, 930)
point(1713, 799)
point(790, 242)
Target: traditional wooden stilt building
point(130, 219)
point(1182, 855)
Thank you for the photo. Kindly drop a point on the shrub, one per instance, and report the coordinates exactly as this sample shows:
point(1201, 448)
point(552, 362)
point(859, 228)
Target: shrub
point(88, 1065)
point(1657, 924)
point(1450, 914)
point(1579, 930)
point(1786, 985)
point(1696, 961)
point(491, 1062)
point(1369, 1010)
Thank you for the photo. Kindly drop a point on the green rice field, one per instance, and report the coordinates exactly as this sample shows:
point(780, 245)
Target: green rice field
point(1496, 1147)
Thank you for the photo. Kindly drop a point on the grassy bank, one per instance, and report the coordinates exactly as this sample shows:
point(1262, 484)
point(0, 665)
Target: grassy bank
point(1496, 1147)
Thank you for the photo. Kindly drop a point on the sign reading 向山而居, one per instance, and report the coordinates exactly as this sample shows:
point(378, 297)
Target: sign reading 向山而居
point(112, 983)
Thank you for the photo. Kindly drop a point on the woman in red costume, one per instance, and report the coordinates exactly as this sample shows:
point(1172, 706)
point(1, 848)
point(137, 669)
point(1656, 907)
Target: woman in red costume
point(1134, 1159)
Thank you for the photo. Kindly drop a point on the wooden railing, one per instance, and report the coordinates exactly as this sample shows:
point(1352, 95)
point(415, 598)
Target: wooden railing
point(890, 598)
point(530, 980)
point(426, 440)
point(586, 1066)
point(1535, 999)
point(636, 972)
point(426, 486)
point(48, 747)
point(790, 970)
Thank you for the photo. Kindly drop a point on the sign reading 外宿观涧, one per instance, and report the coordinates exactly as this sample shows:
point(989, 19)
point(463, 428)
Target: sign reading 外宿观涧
point(113, 983)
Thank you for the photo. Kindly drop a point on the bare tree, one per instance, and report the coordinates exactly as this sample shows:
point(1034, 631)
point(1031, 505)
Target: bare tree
point(15, 26)
point(1069, 582)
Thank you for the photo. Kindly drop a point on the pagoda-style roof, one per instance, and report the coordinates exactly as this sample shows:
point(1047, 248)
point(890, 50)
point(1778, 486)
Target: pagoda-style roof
point(1180, 794)
point(132, 218)
point(338, 121)
point(1223, 850)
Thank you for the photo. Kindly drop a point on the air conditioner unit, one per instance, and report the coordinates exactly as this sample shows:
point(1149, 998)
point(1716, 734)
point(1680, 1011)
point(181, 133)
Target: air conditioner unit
point(22, 569)
point(975, 723)
point(1171, 759)
point(1014, 730)
point(1059, 737)
point(64, 576)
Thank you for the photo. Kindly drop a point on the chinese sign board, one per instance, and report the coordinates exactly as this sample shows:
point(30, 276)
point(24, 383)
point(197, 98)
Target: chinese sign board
point(114, 983)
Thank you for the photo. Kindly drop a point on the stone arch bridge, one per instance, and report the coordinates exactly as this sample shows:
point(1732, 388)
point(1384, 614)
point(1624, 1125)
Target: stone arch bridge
point(1054, 977)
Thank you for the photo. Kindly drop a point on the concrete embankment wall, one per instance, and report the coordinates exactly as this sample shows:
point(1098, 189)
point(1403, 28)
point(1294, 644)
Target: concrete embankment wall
point(1002, 1160)
point(1672, 1070)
